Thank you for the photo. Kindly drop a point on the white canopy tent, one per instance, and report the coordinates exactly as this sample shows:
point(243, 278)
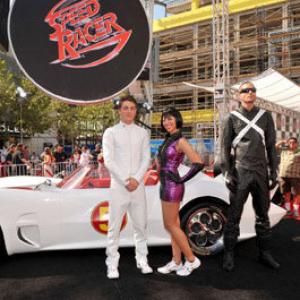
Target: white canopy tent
point(276, 88)
point(272, 87)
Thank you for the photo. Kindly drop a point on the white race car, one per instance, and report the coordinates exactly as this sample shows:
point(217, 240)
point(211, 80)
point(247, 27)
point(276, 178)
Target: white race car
point(26, 181)
point(74, 214)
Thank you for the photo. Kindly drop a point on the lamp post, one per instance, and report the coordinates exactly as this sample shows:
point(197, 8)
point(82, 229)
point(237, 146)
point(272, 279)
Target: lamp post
point(22, 97)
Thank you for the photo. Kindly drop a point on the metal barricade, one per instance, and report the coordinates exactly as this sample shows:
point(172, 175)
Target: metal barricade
point(60, 169)
point(14, 170)
point(36, 169)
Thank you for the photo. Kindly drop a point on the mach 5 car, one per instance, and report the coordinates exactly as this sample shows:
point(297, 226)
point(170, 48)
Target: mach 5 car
point(73, 214)
point(26, 181)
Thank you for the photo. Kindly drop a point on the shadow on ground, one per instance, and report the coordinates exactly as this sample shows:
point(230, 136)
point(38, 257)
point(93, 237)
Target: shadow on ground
point(82, 274)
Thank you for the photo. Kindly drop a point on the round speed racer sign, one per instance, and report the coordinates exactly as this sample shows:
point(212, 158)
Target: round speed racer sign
point(80, 51)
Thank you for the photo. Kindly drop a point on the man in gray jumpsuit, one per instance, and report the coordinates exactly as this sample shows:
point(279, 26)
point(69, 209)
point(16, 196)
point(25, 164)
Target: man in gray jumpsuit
point(249, 163)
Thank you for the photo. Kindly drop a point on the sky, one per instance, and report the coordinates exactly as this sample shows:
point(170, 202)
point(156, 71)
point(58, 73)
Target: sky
point(159, 12)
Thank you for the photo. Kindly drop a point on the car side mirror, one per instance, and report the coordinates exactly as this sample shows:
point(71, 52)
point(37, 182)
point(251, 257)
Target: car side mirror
point(151, 177)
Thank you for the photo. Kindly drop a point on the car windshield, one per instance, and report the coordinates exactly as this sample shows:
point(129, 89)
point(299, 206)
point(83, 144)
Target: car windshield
point(91, 176)
point(86, 177)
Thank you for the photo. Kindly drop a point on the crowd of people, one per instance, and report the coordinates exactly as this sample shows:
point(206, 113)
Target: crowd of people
point(17, 159)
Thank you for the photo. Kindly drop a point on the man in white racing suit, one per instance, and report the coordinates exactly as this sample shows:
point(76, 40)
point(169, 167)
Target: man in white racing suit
point(126, 153)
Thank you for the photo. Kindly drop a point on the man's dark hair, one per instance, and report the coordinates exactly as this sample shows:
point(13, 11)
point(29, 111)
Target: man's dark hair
point(171, 111)
point(19, 146)
point(128, 98)
point(294, 139)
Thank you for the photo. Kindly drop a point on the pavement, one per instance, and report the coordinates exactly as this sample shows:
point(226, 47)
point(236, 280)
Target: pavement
point(82, 274)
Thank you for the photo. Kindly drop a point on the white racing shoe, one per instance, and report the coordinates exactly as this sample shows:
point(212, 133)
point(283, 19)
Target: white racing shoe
point(189, 267)
point(112, 272)
point(144, 267)
point(169, 267)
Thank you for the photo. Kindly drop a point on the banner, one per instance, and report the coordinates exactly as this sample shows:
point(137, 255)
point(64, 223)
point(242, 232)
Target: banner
point(80, 51)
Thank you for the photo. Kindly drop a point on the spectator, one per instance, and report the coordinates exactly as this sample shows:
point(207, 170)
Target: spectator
point(289, 173)
point(76, 156)
point(34, 158)
point(9, 158)
point(96, 152)
point(101, 168)
point(60, 158)
point(20, 161)
point(3, 153)
point(26, 152)
point(85, 156)
point(42, 155)
point(47, 162)
point(100, 157)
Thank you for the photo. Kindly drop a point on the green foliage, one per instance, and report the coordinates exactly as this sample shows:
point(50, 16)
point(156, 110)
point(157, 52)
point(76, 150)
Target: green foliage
point(40, 112)
point(8, 104)
point(36, 110)
point(74, 121)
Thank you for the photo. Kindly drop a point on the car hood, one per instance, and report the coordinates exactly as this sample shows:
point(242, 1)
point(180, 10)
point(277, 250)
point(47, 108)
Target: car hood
point(25, 181)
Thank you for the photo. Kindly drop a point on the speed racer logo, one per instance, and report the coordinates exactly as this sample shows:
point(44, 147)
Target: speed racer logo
point(79, 29)
point(99, 218)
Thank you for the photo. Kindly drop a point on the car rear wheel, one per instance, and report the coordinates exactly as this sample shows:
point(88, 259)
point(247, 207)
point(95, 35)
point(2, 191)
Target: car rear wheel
point(204, 226)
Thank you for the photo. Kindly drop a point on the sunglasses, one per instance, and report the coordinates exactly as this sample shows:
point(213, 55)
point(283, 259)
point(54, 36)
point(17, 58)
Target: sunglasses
point(248, 90)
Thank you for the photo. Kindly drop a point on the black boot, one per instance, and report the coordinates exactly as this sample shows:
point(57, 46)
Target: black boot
point(228, 261)
point(266, 258)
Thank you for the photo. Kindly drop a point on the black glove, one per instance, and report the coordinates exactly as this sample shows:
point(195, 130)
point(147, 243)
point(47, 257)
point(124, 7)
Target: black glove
point(272, 180)
point(195, 168)
point(231, 182)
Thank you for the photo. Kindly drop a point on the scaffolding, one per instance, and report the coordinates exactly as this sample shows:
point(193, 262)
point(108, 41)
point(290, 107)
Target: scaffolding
point(221, 62)
point(262, 34)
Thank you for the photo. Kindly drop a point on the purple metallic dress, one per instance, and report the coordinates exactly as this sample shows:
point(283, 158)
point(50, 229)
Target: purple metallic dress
point(170, 159)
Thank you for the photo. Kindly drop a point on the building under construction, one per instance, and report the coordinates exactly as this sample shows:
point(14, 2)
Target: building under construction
point(262, 34)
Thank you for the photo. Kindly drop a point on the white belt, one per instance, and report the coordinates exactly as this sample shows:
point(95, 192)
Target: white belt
point(250, 124)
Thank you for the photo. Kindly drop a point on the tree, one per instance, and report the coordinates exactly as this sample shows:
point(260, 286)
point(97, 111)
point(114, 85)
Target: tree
point(8, 105)
point(35, 108)
point(40, 112)
point(75, 121)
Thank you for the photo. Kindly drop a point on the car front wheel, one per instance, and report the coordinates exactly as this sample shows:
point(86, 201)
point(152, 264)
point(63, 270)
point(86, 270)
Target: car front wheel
point(204, 226)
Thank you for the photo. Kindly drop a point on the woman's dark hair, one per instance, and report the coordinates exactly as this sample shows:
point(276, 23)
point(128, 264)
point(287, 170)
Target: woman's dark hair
point(171, 111)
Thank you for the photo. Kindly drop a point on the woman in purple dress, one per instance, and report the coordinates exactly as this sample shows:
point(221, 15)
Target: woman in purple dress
point(171, 155)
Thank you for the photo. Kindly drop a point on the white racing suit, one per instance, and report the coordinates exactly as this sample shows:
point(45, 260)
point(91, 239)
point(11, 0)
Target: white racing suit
point(126, 153)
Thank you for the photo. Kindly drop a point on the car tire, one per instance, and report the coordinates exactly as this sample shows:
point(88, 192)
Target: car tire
point(204, 226)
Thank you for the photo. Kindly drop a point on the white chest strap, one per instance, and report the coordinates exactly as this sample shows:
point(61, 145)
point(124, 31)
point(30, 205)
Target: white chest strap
point(250, 124)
